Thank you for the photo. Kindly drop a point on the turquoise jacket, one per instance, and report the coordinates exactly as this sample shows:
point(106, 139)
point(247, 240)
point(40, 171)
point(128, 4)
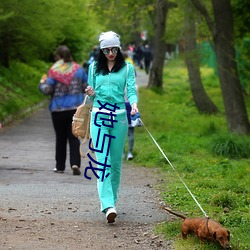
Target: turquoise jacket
point(110, 88)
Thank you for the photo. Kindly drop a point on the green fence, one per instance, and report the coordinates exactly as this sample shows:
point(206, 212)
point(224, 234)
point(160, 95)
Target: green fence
point(208, 58)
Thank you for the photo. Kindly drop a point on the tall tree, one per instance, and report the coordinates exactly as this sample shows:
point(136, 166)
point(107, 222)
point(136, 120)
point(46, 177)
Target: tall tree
point(223, 38)
point(159, 44)
point(201, 99)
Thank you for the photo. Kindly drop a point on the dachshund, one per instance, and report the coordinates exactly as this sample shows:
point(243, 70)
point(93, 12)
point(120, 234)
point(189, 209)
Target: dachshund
point(204, 229)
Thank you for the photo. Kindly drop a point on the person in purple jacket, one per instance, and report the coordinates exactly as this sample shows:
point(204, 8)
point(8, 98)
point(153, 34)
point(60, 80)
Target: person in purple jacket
point(65, 83)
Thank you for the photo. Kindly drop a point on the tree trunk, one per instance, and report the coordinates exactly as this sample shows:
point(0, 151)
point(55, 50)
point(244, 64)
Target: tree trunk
point(235, 109)
point(223, 38)
point(159, 47)
point(201, 99)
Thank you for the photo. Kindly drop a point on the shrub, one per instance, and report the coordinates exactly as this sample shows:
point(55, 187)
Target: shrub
point(223, 200)
point(231, 146)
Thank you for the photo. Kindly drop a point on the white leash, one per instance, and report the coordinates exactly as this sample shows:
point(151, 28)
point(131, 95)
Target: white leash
point(174, 169)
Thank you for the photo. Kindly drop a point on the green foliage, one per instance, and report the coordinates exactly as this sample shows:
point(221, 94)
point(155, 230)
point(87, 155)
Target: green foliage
point(19, 87)
point(170, 230)
point(243, 59)
point(176, 18)
point(29, 33)
point(224, 200)
point(219, 183)
point(241, 17)
point(128, 18)
point(231, 146)
point(175, 25)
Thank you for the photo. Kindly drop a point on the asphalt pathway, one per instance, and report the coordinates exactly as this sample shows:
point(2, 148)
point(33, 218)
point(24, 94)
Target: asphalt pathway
point(31, 190)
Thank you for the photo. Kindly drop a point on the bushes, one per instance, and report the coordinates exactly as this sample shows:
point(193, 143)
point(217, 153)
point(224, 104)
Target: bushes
point(231, 146)
point(19, 88)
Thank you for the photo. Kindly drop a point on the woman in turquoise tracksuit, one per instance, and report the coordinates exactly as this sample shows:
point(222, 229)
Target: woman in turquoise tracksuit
point(108, 77)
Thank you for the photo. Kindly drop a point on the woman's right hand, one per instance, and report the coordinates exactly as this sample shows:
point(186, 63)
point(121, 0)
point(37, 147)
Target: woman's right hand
point(90, 91)
point(134, 109)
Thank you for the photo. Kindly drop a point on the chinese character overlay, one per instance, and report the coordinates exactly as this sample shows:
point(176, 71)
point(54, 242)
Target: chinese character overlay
point(107, 121)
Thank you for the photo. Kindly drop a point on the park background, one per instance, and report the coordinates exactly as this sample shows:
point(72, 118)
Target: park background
point(199, 135)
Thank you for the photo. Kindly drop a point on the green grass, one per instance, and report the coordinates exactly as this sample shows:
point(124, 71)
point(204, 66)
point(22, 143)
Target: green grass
point(19, 88)
point(214, 164)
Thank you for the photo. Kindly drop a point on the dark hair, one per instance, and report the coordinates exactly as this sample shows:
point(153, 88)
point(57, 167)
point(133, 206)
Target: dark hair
point(102, 67)
point(64, 53)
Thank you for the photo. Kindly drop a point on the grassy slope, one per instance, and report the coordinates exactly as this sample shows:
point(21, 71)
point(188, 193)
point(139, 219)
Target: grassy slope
point(220, 184)
point(19, 88)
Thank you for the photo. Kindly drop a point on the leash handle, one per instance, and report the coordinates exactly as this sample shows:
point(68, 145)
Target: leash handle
point(174, 170)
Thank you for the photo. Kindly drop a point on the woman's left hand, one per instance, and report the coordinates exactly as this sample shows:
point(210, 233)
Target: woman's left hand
point(90, 91)
point(134, 109)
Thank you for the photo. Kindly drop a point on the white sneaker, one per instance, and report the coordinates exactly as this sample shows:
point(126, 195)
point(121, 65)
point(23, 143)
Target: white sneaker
point(111, 214)
point(58, 171)
point(129, 156)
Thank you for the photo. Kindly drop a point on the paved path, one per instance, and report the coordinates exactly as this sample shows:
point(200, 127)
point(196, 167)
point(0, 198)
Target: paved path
point(31, 191)
point(141, 78)
point(26, 163)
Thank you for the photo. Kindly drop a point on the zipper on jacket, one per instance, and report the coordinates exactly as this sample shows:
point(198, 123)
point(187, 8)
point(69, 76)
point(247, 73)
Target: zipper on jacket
point(109, 88)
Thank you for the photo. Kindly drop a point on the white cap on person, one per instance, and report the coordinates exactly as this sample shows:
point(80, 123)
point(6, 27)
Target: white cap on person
point(109, 39)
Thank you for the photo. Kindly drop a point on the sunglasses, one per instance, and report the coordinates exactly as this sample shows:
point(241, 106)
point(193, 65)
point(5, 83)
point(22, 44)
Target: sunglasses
point(106, 51)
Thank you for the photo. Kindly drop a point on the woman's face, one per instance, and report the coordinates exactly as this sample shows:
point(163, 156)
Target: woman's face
point(110, 53)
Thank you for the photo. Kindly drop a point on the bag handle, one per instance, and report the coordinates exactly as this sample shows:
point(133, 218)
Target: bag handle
point(84, 140)
point(83, 155)
point(85, 99)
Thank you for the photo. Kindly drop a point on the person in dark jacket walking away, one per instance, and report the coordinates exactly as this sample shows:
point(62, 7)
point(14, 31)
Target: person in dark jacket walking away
point(147, 54)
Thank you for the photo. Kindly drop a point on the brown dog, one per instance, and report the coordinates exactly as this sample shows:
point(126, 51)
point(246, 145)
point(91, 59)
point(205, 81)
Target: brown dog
point(204, 229)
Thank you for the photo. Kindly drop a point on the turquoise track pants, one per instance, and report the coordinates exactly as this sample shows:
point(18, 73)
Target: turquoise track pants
point(108, 186)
